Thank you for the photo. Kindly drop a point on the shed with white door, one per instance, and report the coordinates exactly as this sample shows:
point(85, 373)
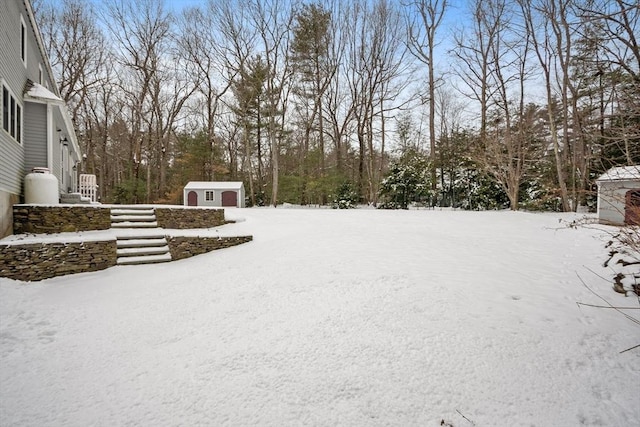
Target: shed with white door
point(619, 196)
point(214, 193)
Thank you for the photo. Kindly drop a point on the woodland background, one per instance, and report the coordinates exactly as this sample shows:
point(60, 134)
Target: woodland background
point(478, 104)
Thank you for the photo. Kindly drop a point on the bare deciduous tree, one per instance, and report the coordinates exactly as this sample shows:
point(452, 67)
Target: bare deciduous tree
point(273, 21)
point(77, 49)
point(424, 19)
point(548, 43)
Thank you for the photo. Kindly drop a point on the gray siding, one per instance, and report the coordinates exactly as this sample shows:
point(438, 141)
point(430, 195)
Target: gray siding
point(11, 161)
point(35, 136)
point(12, 74)
point(15, 158)
point(217, 198)
point(12, 70)
point(66, 182)
point(611, 200)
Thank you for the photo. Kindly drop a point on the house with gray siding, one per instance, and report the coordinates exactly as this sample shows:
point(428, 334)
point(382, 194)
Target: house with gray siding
point(35, 126)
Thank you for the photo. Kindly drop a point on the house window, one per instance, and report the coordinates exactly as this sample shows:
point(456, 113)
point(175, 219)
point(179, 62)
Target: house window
point(11, 115)
point(12, 111)
point(23, 41)
point(40, 74)
point(18, 123)
point(208, 196)
point(5, 109)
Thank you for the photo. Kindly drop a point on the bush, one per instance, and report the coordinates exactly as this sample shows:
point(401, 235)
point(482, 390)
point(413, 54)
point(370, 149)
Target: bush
point(346, 197)
point(406, 182)
point(129, 191)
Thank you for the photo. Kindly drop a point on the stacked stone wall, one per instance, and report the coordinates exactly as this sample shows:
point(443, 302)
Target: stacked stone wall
point(60, 218)
point(38, 261)
point(186, 218)
point(185, 247)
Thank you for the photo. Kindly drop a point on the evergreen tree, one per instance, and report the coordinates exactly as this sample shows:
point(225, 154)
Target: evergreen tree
point(251, 95)
point(313, 71)
point(346, 197)
point(406, 182)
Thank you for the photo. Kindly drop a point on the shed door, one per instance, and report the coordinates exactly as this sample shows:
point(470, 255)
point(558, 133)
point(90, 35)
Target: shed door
point(632, 207)
point(192, 198)
point(229, 198)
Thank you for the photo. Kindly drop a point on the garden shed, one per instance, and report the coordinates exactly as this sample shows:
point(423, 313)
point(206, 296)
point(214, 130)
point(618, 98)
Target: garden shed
point(619, 196)
point(214, 193)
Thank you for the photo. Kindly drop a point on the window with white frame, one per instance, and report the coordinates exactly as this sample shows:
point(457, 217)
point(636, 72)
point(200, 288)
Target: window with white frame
point(23, 41)
point(209, 196)
point(40, 74)
point(11, 115)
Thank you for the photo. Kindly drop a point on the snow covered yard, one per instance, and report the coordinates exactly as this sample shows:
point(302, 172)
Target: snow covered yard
point(355, 318)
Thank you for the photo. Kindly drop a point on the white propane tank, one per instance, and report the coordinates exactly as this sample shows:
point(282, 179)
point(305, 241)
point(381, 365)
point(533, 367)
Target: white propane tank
point(41, 187)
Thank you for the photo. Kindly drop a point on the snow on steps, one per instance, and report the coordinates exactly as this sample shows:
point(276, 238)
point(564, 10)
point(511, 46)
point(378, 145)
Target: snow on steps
point(133, 217)
point(142, 249)
point(141, 241)
point(144, 259)
point(134, 224)
point(133, 245)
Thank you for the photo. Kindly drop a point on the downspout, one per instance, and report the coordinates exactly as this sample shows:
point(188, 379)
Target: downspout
point(50, 134)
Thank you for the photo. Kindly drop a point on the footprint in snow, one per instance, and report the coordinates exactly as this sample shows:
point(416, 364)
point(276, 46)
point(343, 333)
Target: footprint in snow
point(47, 337)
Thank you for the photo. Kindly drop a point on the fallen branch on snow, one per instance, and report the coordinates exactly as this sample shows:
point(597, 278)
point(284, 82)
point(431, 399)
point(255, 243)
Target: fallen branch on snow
point(609, 305)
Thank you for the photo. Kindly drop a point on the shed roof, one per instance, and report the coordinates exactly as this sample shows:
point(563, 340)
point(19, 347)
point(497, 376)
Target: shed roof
point(213, 185)
point(621, 173)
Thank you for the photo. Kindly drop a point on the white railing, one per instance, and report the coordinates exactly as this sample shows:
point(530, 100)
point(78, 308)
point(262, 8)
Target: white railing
point(88, 187)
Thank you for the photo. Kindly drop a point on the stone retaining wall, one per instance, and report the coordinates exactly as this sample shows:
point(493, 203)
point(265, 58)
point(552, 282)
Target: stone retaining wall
point(38, 261)
point(72, 218)
point(185, 218)
point(184, 247)
point(59, 218)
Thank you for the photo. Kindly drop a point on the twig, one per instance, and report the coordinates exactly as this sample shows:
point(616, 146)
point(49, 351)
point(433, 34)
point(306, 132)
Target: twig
point(605, 306)
point(472, 423)
point(630, 348)
point(626, 263)
point(633, 319)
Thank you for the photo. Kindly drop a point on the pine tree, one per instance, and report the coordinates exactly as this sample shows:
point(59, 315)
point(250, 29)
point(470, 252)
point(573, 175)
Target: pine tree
point(309, 53)
point(406, 182)
point(250, 95)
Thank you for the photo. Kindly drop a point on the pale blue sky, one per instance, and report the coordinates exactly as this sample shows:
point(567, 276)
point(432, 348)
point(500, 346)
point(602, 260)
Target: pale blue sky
point(180, 4)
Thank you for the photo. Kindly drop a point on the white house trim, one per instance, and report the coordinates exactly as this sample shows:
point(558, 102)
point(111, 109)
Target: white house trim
point(39, 93)
point(50, 133)
point(24, 46)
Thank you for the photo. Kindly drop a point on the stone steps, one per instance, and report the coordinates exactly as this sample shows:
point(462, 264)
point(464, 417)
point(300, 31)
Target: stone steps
point(133, 217)
point(134, 224)
point(144, 259)
point(142, 249)
point(141, 241)
point(136, 245)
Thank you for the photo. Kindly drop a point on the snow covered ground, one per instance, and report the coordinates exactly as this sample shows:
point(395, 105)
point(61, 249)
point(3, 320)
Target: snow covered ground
point(354, 318)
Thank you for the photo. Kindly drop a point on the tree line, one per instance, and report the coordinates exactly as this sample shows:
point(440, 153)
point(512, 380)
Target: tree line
point(480, 104)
